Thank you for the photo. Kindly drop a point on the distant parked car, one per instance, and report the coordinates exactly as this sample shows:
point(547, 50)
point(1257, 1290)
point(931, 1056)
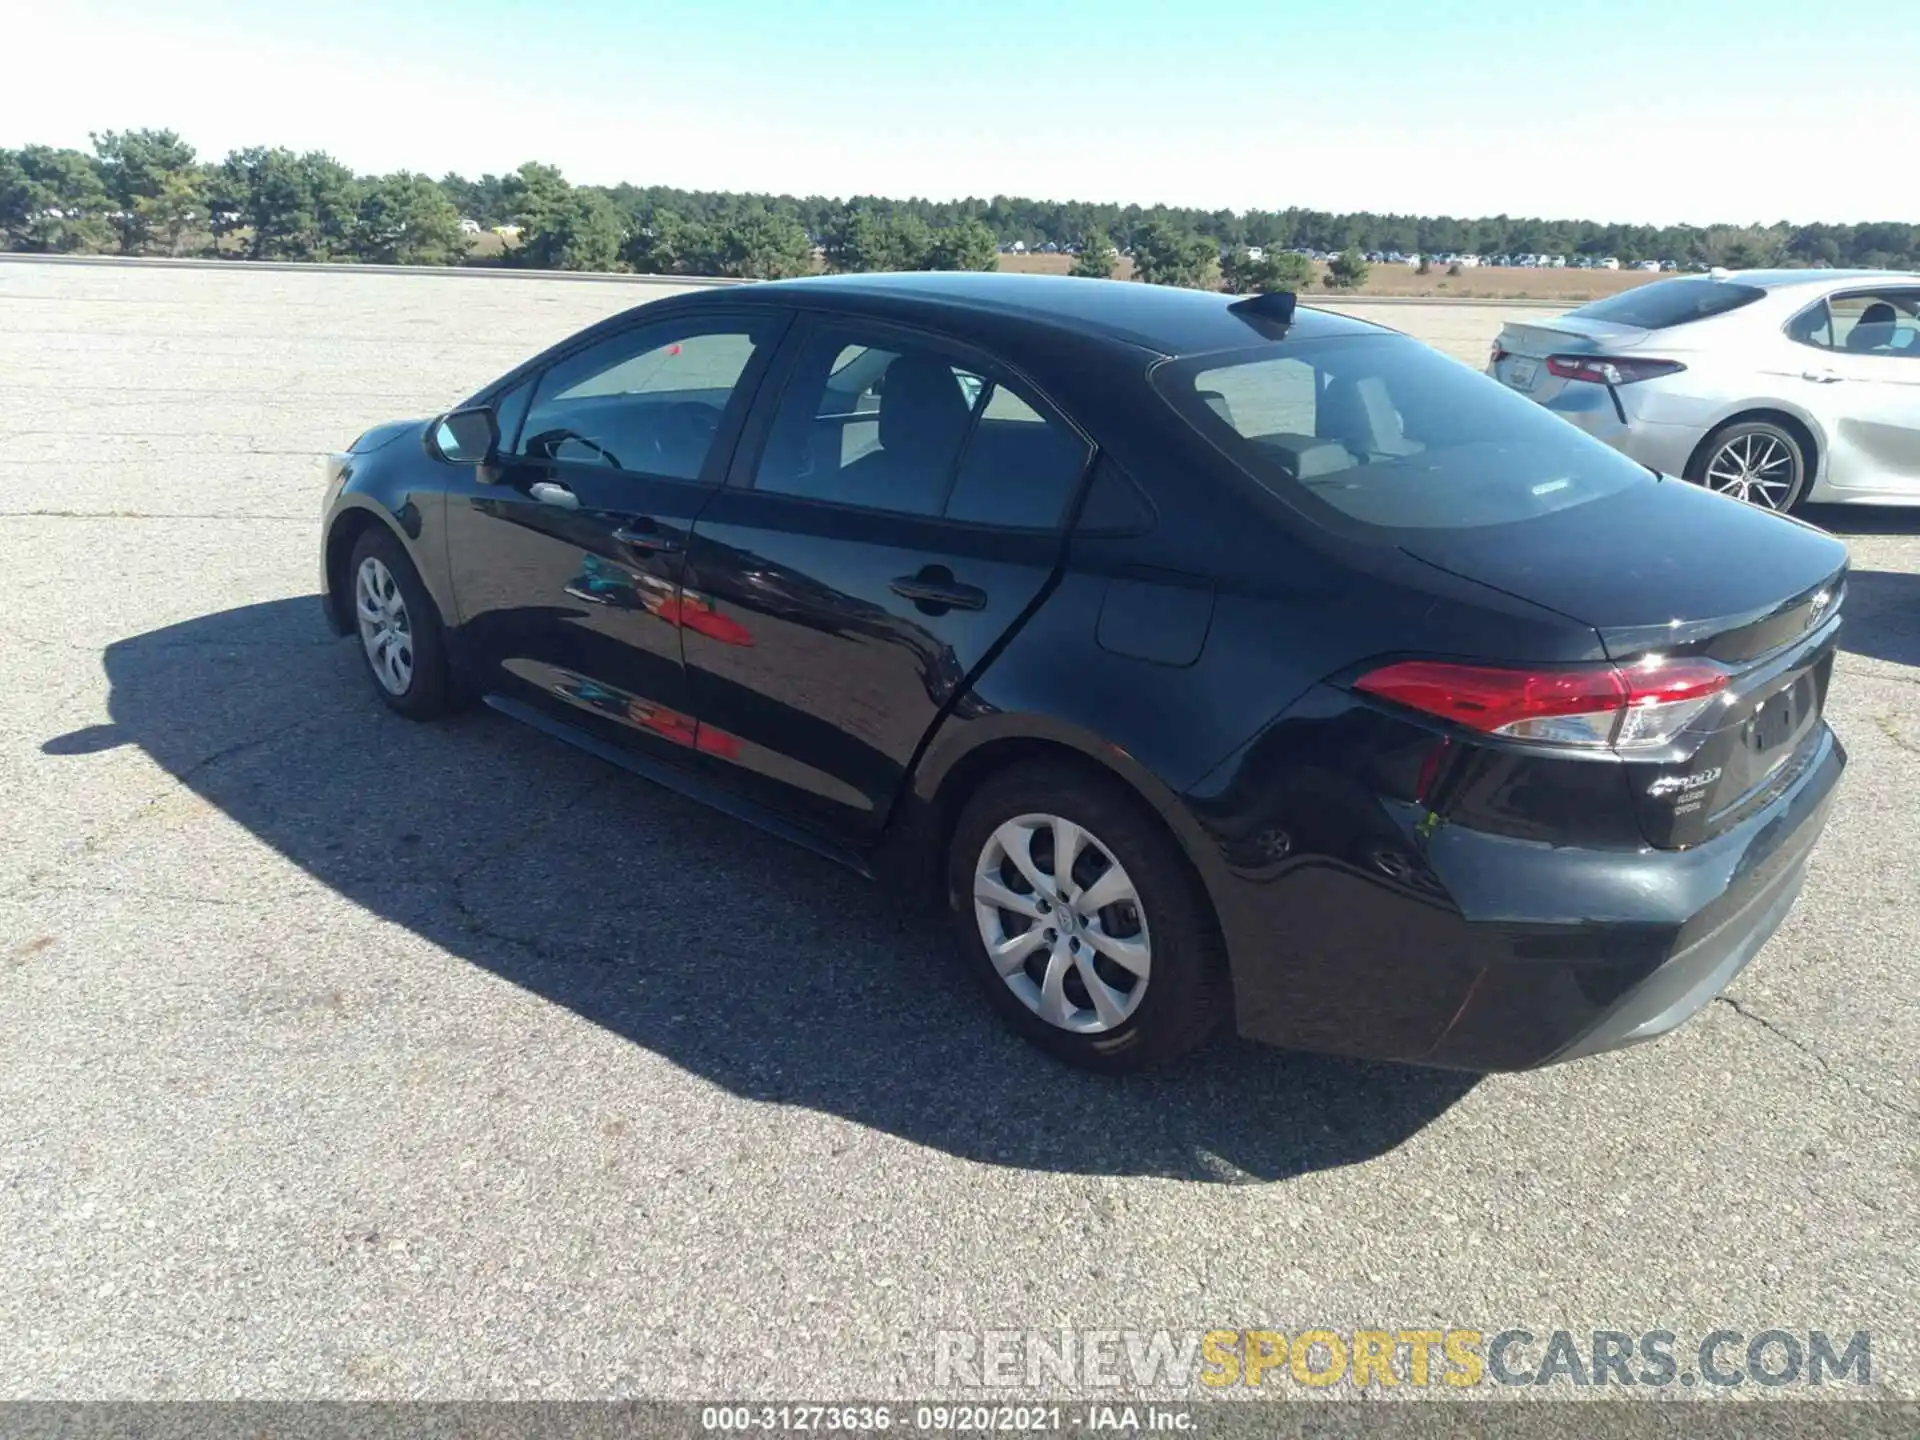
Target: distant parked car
point(1773, 386)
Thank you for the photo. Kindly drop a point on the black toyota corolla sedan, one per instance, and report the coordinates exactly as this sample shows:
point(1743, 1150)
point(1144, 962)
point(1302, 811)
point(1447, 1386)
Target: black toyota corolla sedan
point(1218, 657)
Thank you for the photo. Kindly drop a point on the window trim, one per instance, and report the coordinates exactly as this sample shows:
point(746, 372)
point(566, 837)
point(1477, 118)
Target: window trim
point(743, 472)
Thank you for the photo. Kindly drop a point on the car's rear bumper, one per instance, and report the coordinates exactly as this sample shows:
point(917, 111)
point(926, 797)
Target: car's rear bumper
point(1620, 419)
point(1517, 954)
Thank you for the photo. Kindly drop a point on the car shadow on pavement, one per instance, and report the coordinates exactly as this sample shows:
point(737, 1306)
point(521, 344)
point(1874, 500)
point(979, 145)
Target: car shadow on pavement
point(1847, 520)
point(1883, 616)
point(739, 958)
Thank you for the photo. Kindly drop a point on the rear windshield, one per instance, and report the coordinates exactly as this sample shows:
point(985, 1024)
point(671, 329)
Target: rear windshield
point(1381, 431)
point(1666, 303)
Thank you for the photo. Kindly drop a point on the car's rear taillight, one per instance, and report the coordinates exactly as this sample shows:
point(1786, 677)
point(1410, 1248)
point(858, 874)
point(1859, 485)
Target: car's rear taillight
point(1637, 708)
point(1610, 369)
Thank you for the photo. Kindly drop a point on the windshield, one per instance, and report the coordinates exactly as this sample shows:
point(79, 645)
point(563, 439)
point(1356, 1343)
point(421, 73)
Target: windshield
point(1667, 303)
point(1383, 432)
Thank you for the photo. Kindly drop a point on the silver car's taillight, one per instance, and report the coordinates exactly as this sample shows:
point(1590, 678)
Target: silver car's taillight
point(1610, 369)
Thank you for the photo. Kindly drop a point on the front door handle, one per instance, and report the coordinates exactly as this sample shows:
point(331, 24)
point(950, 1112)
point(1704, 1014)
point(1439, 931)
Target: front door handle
point(1822, 377)
point(935, 591)
point(549, 493)
point(654, 542)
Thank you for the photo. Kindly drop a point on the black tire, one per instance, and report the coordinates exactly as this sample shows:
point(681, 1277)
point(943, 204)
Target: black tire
point(1721, 452)
point(429, 691)
point(1187, 992)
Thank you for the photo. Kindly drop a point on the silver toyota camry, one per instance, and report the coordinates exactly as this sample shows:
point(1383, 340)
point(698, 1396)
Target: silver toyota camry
point(1773, 386)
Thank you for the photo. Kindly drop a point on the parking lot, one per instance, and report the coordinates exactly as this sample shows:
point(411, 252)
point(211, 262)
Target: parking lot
point(341, 1056)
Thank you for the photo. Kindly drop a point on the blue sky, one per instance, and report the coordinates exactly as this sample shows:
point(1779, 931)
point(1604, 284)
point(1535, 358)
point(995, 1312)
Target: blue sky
point(1689, 110)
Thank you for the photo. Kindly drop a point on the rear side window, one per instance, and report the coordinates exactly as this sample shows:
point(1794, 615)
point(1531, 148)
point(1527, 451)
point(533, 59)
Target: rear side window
point(1019, 467)
point(911, 429)
point(1383, 432)
point(1666, 303)
point(878, 427)
point(1880, 322)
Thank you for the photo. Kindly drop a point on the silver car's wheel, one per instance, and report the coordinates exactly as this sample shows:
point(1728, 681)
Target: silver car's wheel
point(1063, 923)
point(386, 630)
point(1758, 464)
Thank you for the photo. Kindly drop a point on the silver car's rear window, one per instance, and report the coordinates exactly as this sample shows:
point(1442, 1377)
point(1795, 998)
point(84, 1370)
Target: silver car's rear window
point(1381, 432)
point(1666, 303)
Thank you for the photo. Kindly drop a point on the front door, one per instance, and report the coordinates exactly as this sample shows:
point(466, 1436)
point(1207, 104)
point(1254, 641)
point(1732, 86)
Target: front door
point(896, 515)
point(566, 555)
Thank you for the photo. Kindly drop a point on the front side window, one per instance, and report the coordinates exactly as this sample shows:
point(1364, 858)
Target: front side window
point(510, 412)
point(907, 428)
point(1876, 322)
point(1383, 432)
point(648, 400)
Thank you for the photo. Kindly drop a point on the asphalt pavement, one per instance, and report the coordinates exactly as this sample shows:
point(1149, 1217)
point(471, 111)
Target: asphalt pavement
point(346, 1057)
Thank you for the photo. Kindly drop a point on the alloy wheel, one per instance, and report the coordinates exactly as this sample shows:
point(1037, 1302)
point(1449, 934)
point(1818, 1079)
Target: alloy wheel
point(1063, 923)
point(385, 629)
point(1758, 467)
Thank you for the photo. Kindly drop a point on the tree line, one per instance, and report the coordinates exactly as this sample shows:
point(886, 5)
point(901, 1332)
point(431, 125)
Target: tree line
point(147, 192)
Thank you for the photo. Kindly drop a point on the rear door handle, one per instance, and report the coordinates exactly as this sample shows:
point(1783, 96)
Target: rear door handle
point(549, 493)
point(1822, 377)
point(654, 542)
point(934, 589)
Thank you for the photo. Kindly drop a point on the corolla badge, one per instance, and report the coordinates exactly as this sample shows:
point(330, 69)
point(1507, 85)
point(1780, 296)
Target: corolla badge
point(1675, 784)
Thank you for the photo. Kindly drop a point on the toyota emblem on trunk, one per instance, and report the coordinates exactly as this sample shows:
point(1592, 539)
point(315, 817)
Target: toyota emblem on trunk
point(1817, 607)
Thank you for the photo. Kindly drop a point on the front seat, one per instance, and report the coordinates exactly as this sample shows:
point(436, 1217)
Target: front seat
point(1358, 413)
point(1874, 329)
point(923, 418)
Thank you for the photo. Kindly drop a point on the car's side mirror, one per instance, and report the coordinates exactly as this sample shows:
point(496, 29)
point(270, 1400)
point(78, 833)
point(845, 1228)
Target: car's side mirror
point(465, 437)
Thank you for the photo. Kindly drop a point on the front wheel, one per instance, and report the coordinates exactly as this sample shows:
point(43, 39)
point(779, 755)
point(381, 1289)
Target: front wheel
point(1078, 915)
point(399, 628)
point(1756, 461)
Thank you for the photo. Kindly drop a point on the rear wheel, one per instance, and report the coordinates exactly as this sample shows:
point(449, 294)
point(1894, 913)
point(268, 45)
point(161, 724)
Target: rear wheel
point(1080, 918)
point(1757, 461)
point(398, 624)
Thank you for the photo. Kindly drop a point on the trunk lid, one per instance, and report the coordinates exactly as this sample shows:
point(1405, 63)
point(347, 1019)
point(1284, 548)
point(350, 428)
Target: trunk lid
point(1668, 569)
point(1522, 349)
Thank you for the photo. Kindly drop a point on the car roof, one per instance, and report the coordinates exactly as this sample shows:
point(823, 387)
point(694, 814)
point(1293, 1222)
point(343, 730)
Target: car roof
point(1791, 279)
point(1167, 319)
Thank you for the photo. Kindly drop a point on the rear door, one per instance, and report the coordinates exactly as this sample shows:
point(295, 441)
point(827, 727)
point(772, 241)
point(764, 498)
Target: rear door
point(885, 525)
point(1861, 375)
point(566, 555)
